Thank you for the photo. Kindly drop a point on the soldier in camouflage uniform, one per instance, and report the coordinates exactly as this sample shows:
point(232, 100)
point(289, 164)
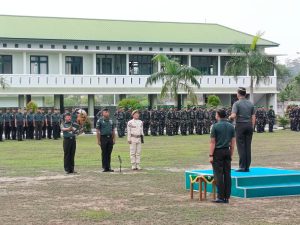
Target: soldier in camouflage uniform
point(145, 117)
point(271, 118)
point(191, 120)
point(176, 122)
point(170, 122)
point(154, 122)
point(121, 123)
point(260, 119)
point(206, 128)
point(183, 121)
point(161, 121)
point(199, 121)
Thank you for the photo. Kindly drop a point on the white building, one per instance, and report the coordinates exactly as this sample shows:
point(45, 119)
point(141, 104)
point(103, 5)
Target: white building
point(60, 56)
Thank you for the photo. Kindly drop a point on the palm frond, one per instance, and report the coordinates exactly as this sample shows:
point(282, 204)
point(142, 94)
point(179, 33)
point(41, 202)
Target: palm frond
point(256, 38)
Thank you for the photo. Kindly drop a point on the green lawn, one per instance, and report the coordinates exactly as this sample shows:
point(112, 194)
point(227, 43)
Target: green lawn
point(35, 190)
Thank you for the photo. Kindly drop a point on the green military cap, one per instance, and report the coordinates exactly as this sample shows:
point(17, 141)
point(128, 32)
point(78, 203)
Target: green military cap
point(68, 114)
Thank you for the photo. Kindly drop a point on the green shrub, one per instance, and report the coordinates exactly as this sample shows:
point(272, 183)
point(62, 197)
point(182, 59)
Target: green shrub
point(130, 103)
point(213, 101)
point(283, 121)
point(32, 105)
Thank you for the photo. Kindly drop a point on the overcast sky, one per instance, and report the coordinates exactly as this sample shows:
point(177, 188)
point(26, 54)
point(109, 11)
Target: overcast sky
point(279, 19)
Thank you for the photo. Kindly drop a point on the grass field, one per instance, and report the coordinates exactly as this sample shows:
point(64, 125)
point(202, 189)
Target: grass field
point(35, 190)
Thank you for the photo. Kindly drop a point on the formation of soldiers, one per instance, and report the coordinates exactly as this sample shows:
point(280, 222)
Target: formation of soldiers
point(294, 115)
point(20, 124)
point(264, 116)
point(170, 120)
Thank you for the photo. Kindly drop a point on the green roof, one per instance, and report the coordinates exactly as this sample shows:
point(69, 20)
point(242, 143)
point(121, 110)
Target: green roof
point(52, 28)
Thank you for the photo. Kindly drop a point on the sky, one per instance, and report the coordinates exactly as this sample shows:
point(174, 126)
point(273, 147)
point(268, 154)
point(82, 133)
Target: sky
point(278, 19)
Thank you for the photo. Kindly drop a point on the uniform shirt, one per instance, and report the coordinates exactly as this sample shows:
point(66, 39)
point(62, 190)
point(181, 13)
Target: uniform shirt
point(7, 117)
point(105, 126)
point(1, 118)
point(29, 117)
point(20, 117)
point(67, 134)
point(74, 117)
point(38, 117)
point(244, 109)
point(55, 118)
point(134, 129)
point(223, 132)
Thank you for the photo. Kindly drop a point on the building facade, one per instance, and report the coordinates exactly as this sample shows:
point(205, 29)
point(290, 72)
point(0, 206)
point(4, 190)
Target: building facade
point(42, 56)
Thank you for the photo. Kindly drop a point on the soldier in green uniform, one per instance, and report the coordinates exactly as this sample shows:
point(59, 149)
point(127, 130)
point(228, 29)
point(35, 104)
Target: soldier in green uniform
point(145, 117)
point(44, 128)
point(183, 121)
point(30, 125)
point(19, 123)
point(161, 121)
point(7, 124)
point(69, 144)
point(199, 121)
point(176, 123)
point(221, 150)
point(1, 124)
point(25, 127)
point(106, 138)
point(38, 120)
point(271, 118)
point(55, 121)
point(49, 124)
point(121, 124)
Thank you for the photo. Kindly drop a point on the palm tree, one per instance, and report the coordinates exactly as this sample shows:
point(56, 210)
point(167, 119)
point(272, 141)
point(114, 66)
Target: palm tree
point(175, 78)
point(250, 58)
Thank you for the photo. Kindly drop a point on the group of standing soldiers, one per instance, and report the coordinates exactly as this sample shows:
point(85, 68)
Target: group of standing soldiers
point(190, 120)
point(20, 124)
point(264, 116)
point(294, 115)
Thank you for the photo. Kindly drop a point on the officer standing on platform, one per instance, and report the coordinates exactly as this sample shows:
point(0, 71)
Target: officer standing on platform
point(69, 144)
point(135, 138)
point(1, 124)
point(221, 150)
point(55, 120)
point(38, 120)
point(106, 138)
point(19, 123)
point(244, 114)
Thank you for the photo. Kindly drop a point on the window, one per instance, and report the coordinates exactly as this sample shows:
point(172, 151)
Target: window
point(74, 65)
point(191, 49)
point(181, 49)
point(150, 49)
point(141, 65)
point(86, 47)
point(41, 46)
point(111, 64)
point(119, 48)
point(171, 49)
point(224, 60)
point(161, 49)
point(207, 65)
point(38, 64)
point(108, 47)
point(29, 46)
point(53, 46)
point(64, 46)
point(129, 48)
point(4, 45)
point(210, 50)
point(97, 47)
point(5, 64)
point(16, 45)
point(182, 59)
point(140, 48)
point(220, 50)
point(200, 49)
point(75, 46)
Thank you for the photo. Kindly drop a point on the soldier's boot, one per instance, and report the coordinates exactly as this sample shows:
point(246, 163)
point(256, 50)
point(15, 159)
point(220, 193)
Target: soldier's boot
point(138, 167)
point(133, 166)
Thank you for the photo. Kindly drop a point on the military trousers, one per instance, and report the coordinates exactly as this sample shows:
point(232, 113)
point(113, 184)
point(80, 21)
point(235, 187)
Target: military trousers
point(69, 145)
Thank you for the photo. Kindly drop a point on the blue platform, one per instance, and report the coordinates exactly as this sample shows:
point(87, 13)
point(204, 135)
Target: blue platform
point(259, 182)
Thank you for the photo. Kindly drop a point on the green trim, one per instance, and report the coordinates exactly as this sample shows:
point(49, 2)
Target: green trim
point(53, 28)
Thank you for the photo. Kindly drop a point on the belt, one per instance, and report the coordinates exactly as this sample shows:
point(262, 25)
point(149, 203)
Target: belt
point(69, 138)
point(219, 149)
point(107, 136)
point(136, 136)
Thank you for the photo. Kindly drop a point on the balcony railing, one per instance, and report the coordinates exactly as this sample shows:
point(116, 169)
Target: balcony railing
point(119, 81)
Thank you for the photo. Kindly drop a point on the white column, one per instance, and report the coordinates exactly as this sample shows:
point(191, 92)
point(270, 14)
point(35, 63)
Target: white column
point(21, 101)
point(60, 63)
point(159, 66)
point(219, 65)
point(57, 101)
point(91, 107)
point(114, 100)
point(94, 64)
point(189, 60)
point(24, 63)
point(127, 64)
